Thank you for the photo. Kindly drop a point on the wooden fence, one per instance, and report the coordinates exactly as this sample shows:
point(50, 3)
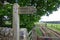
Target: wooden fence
point(35, 36)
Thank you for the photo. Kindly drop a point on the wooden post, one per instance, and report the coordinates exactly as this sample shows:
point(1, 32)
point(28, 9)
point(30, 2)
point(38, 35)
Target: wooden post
point(15, 21)
point(16, 11)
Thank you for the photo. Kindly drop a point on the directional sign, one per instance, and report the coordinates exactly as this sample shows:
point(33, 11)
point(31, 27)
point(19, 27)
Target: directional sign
point(20, 10)
point(27, 10)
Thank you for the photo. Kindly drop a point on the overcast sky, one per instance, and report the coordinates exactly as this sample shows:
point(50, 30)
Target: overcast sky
point(55, 16)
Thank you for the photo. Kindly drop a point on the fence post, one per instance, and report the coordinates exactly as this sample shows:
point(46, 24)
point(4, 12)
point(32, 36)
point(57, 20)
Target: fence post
point(34, 35)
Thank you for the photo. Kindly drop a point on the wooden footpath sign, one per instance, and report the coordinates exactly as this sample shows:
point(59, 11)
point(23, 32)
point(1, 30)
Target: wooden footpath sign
point(20, 10)
point(27, 10)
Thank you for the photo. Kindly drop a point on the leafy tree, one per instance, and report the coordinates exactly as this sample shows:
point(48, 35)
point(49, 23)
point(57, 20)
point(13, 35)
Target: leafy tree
point(5, 10)
point(27, 20)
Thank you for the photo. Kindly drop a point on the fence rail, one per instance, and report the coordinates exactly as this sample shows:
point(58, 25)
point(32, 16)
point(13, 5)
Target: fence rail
point(35, 36)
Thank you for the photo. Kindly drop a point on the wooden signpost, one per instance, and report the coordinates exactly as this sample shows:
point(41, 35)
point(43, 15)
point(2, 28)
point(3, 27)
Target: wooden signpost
point(27, 10)
point(15, 22)
point(16, 11)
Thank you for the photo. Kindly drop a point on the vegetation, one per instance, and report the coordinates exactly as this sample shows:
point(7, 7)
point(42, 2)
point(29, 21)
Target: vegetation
point(55, 27)
point(38, 31)
point(27, 20)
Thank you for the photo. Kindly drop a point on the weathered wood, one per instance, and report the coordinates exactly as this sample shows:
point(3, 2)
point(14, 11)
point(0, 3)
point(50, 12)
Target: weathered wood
point(34, 35)
point(15, 21)
point(27, 10)
point(20, 10)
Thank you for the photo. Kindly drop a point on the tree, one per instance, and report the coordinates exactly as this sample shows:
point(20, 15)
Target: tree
point(42, 6)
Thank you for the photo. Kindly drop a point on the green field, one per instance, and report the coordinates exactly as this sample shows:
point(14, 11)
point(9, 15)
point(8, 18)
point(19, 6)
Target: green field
point(55, 27)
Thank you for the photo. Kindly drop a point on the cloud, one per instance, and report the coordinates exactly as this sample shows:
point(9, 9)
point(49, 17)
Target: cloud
point(55, 16)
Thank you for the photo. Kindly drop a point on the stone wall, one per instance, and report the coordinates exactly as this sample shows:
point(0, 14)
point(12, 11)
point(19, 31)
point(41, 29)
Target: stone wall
point(6, 33)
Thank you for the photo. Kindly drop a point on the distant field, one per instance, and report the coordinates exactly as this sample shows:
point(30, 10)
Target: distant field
point(54, 27)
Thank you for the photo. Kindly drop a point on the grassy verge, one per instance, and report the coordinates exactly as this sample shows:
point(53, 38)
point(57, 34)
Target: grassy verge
point(38, 31)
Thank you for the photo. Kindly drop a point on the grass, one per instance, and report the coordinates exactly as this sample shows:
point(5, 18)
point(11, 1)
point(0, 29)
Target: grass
point(55, 27)
point(38, 31)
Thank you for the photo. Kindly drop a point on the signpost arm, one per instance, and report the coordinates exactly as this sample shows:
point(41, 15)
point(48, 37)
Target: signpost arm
point(15, 22)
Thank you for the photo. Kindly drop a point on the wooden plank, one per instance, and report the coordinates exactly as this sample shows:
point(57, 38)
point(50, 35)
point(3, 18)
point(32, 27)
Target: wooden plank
point(27, 10)
point(15, 21)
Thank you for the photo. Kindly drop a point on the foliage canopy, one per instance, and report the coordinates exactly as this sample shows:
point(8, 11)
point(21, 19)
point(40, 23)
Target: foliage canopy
point(27, 20)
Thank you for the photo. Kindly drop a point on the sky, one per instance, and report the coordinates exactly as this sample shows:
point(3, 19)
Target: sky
point(55, 16)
